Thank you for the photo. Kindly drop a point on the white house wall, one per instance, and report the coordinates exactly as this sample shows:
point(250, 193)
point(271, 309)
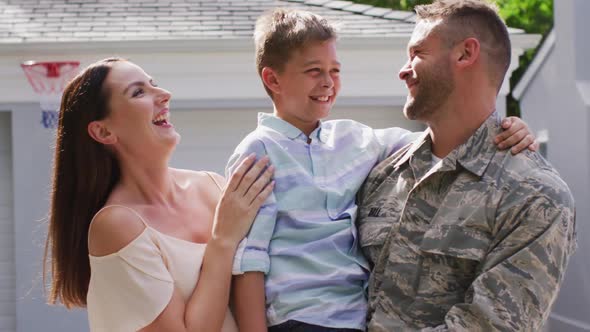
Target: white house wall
point(554, 102)
point(7, 272)
point(554, 108)
point(217, 73)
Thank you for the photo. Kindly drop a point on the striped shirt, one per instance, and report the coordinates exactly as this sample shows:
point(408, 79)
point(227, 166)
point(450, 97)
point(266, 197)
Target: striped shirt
point(304, 238)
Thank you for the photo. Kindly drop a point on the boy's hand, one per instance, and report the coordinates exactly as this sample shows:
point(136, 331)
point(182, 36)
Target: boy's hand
point(516, 135)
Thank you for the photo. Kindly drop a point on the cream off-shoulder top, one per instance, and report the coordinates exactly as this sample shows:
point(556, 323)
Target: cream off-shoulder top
point(130, 288)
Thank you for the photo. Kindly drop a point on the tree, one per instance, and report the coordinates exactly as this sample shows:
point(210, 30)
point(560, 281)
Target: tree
point(533, 16)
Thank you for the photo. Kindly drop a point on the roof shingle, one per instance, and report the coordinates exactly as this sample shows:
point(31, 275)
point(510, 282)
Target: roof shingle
point(25, 21)
point(30, 21)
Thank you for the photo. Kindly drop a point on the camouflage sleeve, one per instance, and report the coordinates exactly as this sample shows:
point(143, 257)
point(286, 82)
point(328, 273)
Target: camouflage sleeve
point(522, 274)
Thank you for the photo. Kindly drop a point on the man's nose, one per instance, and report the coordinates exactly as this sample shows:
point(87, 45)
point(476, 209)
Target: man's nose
point(405, 71)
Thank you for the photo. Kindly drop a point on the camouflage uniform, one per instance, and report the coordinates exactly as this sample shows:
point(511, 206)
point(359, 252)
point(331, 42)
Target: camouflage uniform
point(480, 242)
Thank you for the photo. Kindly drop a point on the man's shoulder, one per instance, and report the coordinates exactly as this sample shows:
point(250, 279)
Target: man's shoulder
point(389, 165)
point(529, 172)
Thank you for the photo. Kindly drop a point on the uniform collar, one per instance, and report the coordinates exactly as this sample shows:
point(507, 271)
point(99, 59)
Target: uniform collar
point(271, 121)
point(474, 155)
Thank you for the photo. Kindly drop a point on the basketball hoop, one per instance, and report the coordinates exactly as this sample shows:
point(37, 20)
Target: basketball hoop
point(48, 80)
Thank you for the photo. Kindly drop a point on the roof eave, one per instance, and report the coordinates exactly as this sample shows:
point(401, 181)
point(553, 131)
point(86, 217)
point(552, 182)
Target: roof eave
point(520, 41)
point(175, 45)
point(535, 66)
point(524, 41)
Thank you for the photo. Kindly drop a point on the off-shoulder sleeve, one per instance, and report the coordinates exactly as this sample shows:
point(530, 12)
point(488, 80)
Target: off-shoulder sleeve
point(130, 288)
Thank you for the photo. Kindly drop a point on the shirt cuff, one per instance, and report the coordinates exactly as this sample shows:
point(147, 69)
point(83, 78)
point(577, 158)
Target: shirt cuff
point(248, 259)
point(236, 267)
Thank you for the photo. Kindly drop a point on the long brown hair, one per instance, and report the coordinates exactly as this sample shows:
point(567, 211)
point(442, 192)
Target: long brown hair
point(84, 173)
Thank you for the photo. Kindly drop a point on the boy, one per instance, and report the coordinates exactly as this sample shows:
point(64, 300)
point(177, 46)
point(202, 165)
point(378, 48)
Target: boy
point(302, 249)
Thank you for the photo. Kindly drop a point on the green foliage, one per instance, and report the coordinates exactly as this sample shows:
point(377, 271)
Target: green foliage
point(532, 16)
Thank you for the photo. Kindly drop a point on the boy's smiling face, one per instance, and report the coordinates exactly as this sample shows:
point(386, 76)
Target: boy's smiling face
point(306, 89)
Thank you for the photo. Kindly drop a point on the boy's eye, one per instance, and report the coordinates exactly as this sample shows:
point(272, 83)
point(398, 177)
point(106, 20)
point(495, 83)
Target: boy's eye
point(153, 83)
point(137, 92)
point(313, 70)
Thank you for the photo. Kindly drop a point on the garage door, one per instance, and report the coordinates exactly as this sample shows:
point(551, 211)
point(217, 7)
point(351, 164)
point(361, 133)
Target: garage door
point(210, 136)
point(7, 269)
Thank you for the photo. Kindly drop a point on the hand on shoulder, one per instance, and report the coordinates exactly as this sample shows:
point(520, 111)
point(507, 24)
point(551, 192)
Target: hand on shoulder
point(112, 229)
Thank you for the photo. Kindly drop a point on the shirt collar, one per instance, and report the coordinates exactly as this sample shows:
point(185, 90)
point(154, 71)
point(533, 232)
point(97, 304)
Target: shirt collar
point(474, 155)
point(271, 121)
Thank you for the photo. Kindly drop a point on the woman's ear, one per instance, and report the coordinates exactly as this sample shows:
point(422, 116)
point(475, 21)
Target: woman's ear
point(270, 80)
point(100, 133)
point(467, 52)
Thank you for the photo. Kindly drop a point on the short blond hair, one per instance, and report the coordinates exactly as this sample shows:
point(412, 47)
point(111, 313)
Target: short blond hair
point(282, 31)
point(473, 18)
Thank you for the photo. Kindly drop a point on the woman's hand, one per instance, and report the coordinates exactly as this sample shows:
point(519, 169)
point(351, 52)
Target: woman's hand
point(247, 189)
point(516, 135)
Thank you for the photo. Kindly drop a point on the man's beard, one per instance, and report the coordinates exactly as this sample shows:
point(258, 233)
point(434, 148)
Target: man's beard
point(435, 84)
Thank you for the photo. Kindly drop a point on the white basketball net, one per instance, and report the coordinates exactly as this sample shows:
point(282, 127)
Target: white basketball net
point(48, 80)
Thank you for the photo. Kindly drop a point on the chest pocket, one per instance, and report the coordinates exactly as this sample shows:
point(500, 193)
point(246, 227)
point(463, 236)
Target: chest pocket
point(451, 259)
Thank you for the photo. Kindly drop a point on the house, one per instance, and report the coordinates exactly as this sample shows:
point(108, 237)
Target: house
point(554, 97)
point(202, 51)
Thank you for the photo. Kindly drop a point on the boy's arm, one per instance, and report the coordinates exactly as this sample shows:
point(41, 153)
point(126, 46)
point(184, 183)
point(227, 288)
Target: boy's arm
point(249, 304)
point(516, 135)
point(252, 261)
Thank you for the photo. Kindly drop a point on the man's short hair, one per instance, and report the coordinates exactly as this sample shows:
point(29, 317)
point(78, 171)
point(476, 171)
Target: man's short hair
point(473, 18)
point(282, 31)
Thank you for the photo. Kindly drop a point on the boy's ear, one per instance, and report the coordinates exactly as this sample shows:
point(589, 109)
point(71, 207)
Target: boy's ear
point(270, 80)
point(467, 52)
point(100, 133)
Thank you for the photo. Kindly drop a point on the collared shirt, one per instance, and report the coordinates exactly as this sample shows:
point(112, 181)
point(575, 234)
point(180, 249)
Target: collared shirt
point(303, 237)
point(479, 242)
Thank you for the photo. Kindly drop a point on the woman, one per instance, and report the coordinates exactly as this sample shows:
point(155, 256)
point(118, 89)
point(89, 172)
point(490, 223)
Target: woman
point(129, 237)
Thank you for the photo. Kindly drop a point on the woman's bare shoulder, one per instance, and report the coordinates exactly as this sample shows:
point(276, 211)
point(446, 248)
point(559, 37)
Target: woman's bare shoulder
point(200, 178)
point(113, 228)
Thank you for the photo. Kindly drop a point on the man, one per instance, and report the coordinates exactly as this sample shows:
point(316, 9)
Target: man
point(462, 236)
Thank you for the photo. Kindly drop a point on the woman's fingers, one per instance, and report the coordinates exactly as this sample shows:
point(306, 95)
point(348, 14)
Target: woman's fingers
point(259, 184)
point(251, 175)
point(263, 195)
point(238, 174)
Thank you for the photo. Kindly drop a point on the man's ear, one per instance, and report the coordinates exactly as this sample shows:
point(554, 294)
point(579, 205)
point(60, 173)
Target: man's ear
point(270, 80)
point(100, 133)
point(467, 52)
